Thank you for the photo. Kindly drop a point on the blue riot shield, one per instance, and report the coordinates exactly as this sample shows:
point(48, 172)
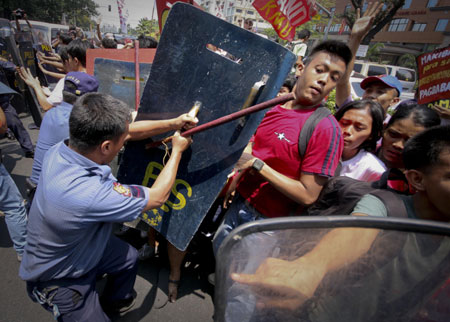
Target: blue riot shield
point(202, 58)
point(401, 274)
point(117, 78)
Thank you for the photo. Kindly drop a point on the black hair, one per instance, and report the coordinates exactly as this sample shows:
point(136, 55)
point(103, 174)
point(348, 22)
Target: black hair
point(62, 52)
point(302, 34)
point(289, 82)
point(68, 97)
point(376, 112)
point(95, 118)
point(77, 49)
point(333, 47)
point(109, 43)
point(420, 114)
point(147, 42)
point(65, 38)
point(423, 150)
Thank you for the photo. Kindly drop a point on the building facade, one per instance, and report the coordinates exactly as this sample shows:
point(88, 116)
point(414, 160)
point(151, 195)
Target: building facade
point(419, 26)
point(236, 12)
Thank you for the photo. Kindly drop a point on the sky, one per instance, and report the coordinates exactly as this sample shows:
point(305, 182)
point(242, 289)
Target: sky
point(137, 9)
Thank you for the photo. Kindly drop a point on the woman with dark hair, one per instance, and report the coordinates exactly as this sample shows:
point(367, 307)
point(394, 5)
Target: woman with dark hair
point(362, 124)
point(409, 120)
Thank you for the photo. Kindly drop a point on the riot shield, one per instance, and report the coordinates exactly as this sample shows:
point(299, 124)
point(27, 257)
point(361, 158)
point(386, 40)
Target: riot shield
point(117, 78)
point(46, 50)
point(24, 40)
point(25, 58)
point(201, 58)
point(115, 71)
point(9, 52)
point(403, 275)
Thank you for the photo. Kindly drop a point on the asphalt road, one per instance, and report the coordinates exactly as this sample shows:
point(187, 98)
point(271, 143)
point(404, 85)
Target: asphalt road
point(195, 294)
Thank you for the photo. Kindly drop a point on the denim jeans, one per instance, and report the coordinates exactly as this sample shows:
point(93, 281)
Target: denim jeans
point(255, 248)
point(12, 205)
point(238, 214)
point(16, 126)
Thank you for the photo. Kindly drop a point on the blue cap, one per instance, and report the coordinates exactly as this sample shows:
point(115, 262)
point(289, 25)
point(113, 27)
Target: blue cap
point(84, 83)
point(389, 81)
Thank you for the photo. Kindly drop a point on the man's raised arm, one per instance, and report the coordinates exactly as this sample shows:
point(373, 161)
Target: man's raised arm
point(360, 29)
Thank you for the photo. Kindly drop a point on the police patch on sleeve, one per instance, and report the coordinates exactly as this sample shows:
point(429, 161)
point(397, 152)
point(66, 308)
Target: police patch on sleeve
point(128, 191)
point(122, 189)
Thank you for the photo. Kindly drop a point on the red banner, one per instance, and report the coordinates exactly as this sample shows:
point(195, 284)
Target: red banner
point(434, 75)
point(285, 15)
point(163, 7)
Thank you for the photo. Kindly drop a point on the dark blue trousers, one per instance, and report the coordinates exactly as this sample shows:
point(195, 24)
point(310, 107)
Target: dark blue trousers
point(76, 299)
point(16, 126)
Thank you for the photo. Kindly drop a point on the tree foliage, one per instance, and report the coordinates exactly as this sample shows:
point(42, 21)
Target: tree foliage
point(407, 60)
point(144, 26)
point(373, 53)
point(78, 12)
point(147, 27)
point(381, 20)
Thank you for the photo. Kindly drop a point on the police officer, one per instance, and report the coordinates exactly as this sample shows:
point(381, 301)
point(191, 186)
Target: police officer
point(14, 123)
point(76, 202)
point(11, 201)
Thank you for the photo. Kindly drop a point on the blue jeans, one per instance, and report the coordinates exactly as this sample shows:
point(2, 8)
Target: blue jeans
point(254, 248)
point(16, 126)
point(12, 205)
point(238, 214)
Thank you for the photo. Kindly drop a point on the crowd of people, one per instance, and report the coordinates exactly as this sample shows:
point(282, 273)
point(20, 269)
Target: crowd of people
point(63, 233)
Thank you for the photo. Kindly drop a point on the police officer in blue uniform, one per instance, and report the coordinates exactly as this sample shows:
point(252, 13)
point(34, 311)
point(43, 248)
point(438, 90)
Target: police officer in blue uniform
point(77, 200)
point(11, 201)
point(14, 123)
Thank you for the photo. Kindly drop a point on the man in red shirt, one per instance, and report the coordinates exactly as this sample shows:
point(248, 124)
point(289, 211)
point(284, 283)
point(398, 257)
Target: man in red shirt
point(272, 179)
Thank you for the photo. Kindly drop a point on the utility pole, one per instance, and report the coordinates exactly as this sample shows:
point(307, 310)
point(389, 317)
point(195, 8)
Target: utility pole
point(330, 15)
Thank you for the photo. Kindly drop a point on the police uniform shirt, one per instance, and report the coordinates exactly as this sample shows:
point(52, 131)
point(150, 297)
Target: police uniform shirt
point(54, 129)
point(71, 217)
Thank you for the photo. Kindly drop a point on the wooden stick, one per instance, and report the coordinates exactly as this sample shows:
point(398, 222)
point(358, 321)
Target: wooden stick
point(228, 118)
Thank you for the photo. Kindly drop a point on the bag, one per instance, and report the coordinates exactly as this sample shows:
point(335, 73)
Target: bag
point(341, 194)
point(308, 128)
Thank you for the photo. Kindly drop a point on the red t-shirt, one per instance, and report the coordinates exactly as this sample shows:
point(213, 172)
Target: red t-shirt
point(276, 143)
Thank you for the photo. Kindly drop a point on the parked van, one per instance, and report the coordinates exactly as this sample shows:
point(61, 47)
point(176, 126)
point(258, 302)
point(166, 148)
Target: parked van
point(406, 76)
point(43, 32)
point(363, 69)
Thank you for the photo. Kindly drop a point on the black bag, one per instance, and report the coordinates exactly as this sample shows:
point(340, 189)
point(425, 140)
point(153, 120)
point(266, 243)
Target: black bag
point(341, 194)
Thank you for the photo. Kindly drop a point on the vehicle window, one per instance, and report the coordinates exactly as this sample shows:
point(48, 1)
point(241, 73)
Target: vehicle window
point(54, 32)
point(405, 75)
point(376, 70)
point(357, 67)
point(39, 33)
point(389, 70)
point(5, 31)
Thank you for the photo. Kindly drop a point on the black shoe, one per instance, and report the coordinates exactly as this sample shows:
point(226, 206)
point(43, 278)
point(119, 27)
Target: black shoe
point(10, 135)
point(29, 154)
point(120, 306)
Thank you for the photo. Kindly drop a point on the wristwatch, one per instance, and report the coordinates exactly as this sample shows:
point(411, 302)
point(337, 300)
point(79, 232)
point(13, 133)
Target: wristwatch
point(257, 164)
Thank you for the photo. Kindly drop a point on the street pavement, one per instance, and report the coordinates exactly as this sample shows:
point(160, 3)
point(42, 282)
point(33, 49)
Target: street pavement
point(195, 294)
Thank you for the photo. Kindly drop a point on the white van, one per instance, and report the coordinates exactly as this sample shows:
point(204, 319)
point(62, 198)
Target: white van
point(363, 69)
point(406, 76)
point(43, 32)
